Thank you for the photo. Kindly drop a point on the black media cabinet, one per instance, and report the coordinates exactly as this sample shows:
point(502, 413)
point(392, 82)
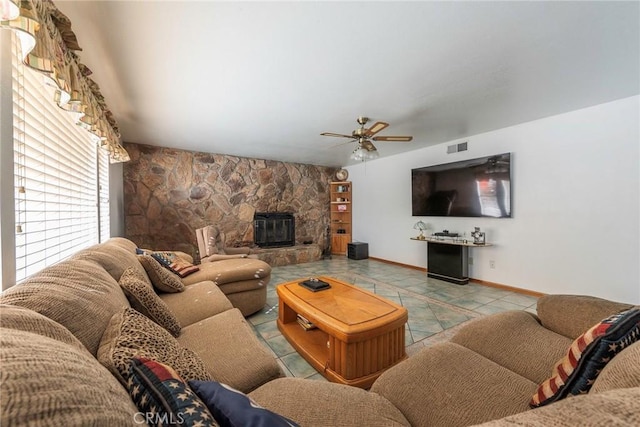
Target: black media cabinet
point(448, 259)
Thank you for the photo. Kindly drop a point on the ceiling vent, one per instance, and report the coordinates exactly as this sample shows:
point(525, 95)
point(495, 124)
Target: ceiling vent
point(455, 148)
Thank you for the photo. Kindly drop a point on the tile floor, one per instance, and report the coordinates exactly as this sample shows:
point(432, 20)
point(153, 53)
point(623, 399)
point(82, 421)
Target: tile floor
point(436, 308)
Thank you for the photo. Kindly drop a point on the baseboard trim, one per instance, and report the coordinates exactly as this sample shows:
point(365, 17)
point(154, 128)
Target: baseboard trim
point(507, 287)
point(386, 261)
point(471, 279)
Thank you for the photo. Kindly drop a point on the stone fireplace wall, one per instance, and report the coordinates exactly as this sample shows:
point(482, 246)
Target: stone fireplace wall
point(169, 193)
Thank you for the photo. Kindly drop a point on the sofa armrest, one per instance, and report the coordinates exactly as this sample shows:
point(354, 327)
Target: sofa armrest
point(212, 258)
point(617, 407)
point(236, 251)
point(572, 315)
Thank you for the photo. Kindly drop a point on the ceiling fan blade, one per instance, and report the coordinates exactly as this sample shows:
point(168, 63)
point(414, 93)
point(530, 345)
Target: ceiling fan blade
point(340, 144)
point(377, 127)
point(393, 138)
point(368, 145)
point(339, 135)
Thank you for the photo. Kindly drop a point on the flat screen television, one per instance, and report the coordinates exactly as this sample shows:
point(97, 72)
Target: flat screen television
point(469, 188)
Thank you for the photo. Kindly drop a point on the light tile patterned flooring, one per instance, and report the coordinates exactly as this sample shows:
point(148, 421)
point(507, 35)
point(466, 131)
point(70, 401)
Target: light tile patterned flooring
point(436, 308)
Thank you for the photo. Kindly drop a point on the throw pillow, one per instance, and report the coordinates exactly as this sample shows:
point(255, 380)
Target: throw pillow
point(163, 398)
point(46, 382)
point(174, 263)
point(142, 297)
point(161, 279)
point(182, 267)
point(131, 334)
point(232, 408)
point(588, 355)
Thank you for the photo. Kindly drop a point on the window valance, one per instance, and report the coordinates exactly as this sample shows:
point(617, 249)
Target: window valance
point(49, 46)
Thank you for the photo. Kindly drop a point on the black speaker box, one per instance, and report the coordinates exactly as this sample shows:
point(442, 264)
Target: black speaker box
point(357, 250)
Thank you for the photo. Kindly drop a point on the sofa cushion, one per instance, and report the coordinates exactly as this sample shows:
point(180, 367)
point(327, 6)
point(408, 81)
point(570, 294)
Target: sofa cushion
point(124, 243)
point(588, 355)
point(448, 384)
point(161, 278)
point(623, 371)
point(499, 338)
point(47, 382)
point(613, 408)
point(131, 334)
point(230, 351)
point(320, 403)
point(197, 302)
point(232, 408)
point(20, 318)
point(78, 294)
point(112, 255)
point(571, 315)
point(230, 270)
point(162, 397)
point(142, 298)
point(248, 302)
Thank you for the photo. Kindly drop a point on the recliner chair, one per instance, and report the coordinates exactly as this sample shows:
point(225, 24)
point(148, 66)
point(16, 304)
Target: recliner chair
point(211, 242)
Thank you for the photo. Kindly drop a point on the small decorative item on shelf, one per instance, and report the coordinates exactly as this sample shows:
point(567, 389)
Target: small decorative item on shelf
point(478, 236)
point(342, 208)
point(422, 227)
point(342, 175)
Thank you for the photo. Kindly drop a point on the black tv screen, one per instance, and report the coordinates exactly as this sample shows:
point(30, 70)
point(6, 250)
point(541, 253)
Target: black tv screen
point(469, 188)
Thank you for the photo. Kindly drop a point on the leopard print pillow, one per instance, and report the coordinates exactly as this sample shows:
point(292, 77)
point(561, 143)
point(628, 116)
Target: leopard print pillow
point(161, 278)
point(131, 334)
point(142, 297)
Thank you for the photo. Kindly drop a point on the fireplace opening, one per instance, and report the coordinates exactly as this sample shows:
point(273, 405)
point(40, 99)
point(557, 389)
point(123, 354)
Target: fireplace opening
point(274, 229)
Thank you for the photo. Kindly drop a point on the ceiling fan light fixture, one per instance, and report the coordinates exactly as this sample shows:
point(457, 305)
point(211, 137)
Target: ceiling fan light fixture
point(363, 154)
point(358, 153)
point(372, 154)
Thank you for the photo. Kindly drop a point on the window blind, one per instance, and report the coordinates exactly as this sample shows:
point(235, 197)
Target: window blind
point(56, 176)
point(103, 194)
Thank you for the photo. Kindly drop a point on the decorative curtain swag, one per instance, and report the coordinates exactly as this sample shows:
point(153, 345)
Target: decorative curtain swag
point(49, 46)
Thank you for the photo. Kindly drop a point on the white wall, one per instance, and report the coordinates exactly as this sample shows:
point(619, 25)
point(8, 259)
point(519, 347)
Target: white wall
point(576, 205)
point(116, 199)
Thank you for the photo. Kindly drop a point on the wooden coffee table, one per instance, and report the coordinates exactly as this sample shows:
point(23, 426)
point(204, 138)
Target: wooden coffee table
point(358, 336)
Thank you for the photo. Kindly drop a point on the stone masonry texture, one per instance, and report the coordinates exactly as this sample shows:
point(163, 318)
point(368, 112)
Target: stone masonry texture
point(169, 193)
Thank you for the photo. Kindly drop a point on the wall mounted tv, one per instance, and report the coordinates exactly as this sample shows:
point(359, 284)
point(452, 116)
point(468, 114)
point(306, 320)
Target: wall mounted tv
point(469, 188)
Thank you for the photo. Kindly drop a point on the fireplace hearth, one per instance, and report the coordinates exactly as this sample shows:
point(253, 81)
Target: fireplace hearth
point(274, 229)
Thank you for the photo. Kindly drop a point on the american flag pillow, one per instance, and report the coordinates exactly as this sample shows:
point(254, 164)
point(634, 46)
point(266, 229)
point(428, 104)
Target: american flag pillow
point(174, 263)
point(587, 356)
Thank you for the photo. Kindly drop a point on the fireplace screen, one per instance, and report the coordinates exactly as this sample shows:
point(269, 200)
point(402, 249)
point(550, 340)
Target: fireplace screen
point(274, 229)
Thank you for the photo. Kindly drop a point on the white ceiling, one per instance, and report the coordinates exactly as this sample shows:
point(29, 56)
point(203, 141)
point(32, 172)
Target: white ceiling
point(264, 79)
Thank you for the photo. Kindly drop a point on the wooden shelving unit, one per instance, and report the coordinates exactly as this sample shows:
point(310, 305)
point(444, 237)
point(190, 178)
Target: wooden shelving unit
point(341, 203)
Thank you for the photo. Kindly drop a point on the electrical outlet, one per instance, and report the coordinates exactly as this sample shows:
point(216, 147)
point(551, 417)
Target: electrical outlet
point(470, 261)
point(492, 264)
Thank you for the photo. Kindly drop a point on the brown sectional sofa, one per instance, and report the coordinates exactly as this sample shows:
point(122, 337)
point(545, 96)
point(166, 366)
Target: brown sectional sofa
point(52, 327)
point(242, 280)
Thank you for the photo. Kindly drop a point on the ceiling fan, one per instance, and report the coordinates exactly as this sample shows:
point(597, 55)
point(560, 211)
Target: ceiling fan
point(365, 149)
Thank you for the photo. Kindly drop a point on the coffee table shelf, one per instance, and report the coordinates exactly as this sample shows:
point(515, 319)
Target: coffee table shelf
point(314, 350)
point(359, 334)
